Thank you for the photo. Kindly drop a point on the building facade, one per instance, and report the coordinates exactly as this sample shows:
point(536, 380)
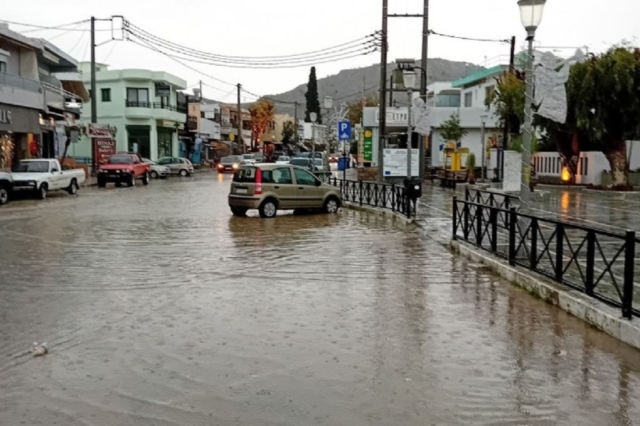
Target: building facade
point(228, 126)
point(35, 107)
point(142, 105)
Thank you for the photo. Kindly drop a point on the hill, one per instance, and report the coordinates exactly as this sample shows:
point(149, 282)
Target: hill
point(348, 84)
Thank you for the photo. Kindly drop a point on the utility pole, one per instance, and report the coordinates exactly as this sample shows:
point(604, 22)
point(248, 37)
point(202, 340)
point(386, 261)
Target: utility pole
point(239, 119)
point(295, 114)
point(200, 91)
point(505, 129)
point(382, 119)
point(423, 81)
point(94, 90)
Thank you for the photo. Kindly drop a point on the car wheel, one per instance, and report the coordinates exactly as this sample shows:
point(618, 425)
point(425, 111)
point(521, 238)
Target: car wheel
point(184, 173)
point(42, 192)
point(332, 205)
point(4, 196)
point(239, 211)
point(154, 174)
point(73, 187)
point(268, 208)
point(132, 180)
point(146, 179)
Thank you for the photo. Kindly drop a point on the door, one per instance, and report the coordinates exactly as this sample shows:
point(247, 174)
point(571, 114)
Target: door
point(280, 182)
point(309, 194)
point(57, 178)
point(175, 165)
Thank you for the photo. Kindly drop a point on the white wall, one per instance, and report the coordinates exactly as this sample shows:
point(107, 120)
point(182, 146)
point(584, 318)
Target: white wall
point(472, 140)
point(478, 93)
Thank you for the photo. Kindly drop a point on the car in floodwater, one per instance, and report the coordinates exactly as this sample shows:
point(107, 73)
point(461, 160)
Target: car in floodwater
point(230, 163)
point(271, 187)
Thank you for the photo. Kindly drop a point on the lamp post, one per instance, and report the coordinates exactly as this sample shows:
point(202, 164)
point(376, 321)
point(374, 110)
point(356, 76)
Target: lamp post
point(328, 104)
point(409, 76)
point(314, 117)
point(483, 119)
point(531, 16)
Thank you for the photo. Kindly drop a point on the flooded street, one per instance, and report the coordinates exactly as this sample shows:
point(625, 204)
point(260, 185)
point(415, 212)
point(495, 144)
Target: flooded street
point(160, 308)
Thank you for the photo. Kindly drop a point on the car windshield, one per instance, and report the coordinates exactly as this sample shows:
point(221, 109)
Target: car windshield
point(121, 159)
point(283, 158)
point(318, 162)
point(230, 160)
point(245, 175)
point(304, 162)
point(32, 167)
point(248, 157)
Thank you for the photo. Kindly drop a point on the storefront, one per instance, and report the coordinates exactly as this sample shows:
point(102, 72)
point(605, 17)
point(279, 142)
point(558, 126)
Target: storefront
point(19, 134)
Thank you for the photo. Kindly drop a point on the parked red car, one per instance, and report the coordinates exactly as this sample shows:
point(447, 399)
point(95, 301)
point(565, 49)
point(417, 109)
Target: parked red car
point(124, 168)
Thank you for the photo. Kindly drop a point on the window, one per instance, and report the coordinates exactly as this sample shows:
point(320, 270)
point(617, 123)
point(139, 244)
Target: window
point(137, 96)
point(304, 178)
point(3, 66)
point(282, 176)
point(106, 95)
point(468, 99)
point(489, 90)
point(54, 168)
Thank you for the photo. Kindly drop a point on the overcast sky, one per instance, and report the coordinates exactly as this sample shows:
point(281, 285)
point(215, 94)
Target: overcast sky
point(282, 27)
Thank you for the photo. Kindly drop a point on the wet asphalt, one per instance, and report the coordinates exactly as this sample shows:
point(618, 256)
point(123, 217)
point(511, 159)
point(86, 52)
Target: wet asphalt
point(160, 308)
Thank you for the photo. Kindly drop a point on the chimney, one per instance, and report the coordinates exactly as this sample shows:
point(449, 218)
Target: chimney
point(196, 93)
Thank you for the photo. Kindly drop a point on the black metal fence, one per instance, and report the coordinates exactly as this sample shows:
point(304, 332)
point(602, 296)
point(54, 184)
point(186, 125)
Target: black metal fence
point(373, 194)
point(598, 263)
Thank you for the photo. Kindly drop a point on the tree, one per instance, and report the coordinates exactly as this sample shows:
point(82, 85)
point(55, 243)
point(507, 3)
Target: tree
point(603, 101)
point(355, 108)
point(313, 102)
point(451, 130)
point(262, 117)
point(508, 101)
point(288, 131)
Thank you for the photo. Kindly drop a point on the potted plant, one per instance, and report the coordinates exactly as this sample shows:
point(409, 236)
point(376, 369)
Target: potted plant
point(471, 168)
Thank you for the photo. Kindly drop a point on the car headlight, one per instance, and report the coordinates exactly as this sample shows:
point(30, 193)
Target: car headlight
point(235, 166)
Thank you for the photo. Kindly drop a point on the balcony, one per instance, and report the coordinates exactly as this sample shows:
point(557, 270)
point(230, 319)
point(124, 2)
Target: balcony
point(155, 110)
point(16, 90)
point(182, 109)
point(137, 104)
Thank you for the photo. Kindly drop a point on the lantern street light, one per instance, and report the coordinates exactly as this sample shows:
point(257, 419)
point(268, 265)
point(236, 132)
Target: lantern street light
point(314, 118)
point(328, 104)
point(531, 16)
point(409, 77)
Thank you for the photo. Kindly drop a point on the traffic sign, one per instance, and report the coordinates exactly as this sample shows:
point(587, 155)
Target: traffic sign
point(344, 130)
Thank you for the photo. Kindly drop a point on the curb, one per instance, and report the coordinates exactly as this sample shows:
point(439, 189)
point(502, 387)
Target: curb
point(596, 314)
point(395, 217)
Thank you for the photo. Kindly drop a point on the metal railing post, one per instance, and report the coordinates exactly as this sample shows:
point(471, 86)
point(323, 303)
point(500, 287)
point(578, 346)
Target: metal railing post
point(591, 262)
point(465, 230)
point(513, 220)
point(493, 218)
point(361, 193)
point(393, 197)
point(559, 251)
point(533, 261)
point(479, 225)
point(629, 259)
point(455, 218)
point(467, 194)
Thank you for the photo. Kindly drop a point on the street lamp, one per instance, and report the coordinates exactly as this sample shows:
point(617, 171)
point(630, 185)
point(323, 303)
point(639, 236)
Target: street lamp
point(409, 77)
point(314, 118)
point(531, 16)
point(483, 120)
point(328, 104)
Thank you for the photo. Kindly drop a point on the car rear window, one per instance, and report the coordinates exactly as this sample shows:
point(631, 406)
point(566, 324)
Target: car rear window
point(245, 175)
point(230, 160)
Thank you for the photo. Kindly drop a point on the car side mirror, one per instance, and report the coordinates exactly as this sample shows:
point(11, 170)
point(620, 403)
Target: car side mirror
point(318, 182)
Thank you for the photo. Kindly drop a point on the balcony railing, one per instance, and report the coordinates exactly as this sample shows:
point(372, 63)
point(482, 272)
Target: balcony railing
point(181, 109)
point(136, 104)
point(20, 82)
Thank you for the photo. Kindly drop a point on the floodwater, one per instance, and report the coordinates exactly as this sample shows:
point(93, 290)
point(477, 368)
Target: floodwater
point(160, 308)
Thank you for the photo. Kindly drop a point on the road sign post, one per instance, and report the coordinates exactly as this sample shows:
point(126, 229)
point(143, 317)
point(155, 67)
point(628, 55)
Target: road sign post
point(344, 135)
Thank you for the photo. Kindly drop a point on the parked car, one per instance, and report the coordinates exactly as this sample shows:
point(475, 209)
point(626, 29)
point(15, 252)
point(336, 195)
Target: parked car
point(248, 159)
point(44, 175)
point(6, 184)
point(124, 168)
point(230, 163)
point(304, 162)
point(157, 171)
point(269, 187)
point(283, 159)
point(177, 166)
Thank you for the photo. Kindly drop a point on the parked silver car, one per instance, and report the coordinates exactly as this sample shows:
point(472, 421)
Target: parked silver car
point(177, 166)
point(157, 171)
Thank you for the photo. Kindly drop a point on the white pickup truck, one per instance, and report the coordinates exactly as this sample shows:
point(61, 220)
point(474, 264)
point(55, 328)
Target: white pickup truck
point(44, 175)
point(6, 182)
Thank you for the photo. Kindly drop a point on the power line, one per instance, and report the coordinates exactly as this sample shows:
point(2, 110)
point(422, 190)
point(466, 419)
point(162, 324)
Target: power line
point(431, 32)
point(65, 32)
point(53, 27)
point(138, 32)
point(343, 53)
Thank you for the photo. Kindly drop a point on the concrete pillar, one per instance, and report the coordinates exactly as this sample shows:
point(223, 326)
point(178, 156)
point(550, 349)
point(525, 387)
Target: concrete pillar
point(174, 144)
point(154, 140)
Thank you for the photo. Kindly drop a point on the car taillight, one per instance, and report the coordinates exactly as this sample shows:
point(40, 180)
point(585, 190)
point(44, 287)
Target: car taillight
point(258, 181)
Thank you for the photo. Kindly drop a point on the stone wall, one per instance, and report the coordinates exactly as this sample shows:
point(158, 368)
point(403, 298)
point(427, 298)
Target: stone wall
point(512, 171)
point(368, 173)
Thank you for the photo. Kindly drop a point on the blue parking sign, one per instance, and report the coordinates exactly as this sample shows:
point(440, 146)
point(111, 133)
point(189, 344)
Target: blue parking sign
point(344, 130)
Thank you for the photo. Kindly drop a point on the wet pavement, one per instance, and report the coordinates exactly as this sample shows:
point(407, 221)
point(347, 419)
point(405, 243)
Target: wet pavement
point(160, 308)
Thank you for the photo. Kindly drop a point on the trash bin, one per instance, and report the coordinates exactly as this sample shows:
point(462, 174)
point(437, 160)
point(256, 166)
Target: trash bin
point(343, 163)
